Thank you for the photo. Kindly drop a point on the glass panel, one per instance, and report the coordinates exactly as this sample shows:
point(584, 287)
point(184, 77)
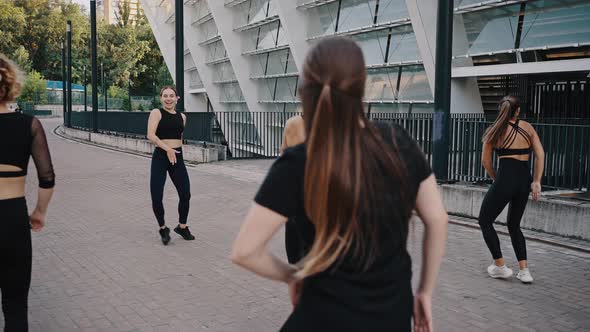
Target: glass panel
point(462, 3)
point(381, 84)
point(272, 63)
point(215, 51)
point(257, 10)
point(195, 80)
point(201, 10)
point(403, 46)
point(272, 9)
point(282, 37)
point(231, 92)
point(376, 109)
point(555, 23)
point(276, 62)
point(208, 30)
point(291, 66)
point(286, 88)
point(268, 36)
point(355, 14)
point(374, 45)
point(414, 84)
point(325, 24)
point(292, 108)
point(223, 72)
point(422, 108)
point(266, 89)
point(391, 10)
point(259, 65)
point(489, 30)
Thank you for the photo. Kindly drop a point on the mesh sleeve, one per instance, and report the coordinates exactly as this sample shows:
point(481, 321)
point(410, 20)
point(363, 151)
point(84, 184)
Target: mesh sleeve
point(41, 156)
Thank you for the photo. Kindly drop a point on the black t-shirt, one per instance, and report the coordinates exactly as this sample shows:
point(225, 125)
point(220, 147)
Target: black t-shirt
point(378, 289)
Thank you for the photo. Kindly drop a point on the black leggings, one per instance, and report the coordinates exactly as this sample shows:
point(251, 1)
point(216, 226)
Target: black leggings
point(160, 166)
point(15, 263)
point(512, 186)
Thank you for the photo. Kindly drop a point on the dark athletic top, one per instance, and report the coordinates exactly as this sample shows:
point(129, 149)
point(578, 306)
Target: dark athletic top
point(346, 298)
point(505, 149)
point(22, 136)
point(170, 126)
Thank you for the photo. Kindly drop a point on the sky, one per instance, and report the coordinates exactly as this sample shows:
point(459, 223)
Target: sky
point(83, 2)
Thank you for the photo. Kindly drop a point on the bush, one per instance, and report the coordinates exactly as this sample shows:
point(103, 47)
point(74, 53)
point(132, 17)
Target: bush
point(34, 89)
point(117, 92)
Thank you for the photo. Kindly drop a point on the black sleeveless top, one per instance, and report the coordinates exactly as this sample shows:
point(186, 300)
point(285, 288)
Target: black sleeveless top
point(505, 149)
point(22, 136)
point(170, 126)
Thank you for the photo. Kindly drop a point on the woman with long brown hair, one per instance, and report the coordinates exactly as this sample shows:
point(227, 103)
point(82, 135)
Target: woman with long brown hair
point(351, 188)
point(21, 137)
point(513, 141)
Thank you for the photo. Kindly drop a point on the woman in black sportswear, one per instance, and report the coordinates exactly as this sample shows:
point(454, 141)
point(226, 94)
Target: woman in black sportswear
point(513, 140)
point(21, 137)
point(350, 189)
point(165, 128)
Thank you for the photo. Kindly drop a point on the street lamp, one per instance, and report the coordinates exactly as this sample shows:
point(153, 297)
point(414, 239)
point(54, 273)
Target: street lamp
point(69, 35)
point(85, 101)
point(94, 69)
point(63, 80)
point(129, 92)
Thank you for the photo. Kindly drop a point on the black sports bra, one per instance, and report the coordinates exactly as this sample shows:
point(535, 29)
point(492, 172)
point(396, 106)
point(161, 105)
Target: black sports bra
point(22, 136)
point(170, 126)
point(505, 149)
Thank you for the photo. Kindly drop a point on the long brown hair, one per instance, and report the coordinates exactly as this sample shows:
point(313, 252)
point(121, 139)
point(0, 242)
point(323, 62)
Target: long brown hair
point(507, 108)
point(10, 80)
point(345, 154)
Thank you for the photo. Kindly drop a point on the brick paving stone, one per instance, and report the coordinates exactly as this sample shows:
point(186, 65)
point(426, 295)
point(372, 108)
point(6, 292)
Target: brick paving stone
point(99, 264)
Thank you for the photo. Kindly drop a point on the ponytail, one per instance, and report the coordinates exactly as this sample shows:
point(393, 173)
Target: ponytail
point(507, 109)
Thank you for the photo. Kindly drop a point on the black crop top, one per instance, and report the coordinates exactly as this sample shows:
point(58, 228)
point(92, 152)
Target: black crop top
point(170, 126)
point(22, 136)
point(505, 149)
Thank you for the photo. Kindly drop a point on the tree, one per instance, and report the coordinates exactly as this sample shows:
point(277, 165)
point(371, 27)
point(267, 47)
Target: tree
point(21, 57)
point(34, 88)
point(12, 25)
point(124, 13)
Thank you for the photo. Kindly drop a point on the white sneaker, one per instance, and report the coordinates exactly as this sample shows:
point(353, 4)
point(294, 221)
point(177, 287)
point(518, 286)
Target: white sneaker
point(525, 276)
point(501, 272)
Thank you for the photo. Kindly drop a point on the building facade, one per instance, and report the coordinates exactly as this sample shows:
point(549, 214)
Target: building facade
point(109, 9)
point(245, 55)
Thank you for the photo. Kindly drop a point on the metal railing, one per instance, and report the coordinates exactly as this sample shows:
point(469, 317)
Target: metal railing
point(259, 135)
point(134, 124)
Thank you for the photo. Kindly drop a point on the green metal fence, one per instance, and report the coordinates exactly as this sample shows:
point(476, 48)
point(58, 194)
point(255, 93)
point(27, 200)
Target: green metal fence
point(56, 98)
point(260, 134)
point(134, 124)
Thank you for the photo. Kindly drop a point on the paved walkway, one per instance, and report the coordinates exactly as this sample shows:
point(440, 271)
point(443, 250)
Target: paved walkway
point(99, 264)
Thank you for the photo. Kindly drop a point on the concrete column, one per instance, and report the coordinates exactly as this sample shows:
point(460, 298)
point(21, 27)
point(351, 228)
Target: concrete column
point(465, 97)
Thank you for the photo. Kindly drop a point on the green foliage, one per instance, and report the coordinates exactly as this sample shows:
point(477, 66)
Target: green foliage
point(156, 103)
point(12, 26)
point(126, 105)
point(21, 57)
point(117, 92)
point(34, 88)
point(32, 32)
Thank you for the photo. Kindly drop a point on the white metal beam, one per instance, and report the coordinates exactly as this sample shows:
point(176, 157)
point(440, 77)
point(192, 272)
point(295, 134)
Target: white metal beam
point(556, 66)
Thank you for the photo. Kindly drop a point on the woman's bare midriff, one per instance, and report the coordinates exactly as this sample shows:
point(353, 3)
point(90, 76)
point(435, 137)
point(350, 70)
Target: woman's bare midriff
point(173, 143)
point(12, 187)
point(517, 157)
